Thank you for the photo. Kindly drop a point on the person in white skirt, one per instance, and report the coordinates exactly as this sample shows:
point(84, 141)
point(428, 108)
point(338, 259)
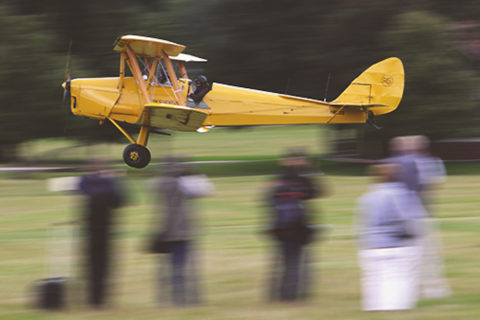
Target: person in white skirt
point(389, 216)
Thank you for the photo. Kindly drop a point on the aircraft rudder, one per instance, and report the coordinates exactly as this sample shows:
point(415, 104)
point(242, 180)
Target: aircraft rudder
point(382, 83)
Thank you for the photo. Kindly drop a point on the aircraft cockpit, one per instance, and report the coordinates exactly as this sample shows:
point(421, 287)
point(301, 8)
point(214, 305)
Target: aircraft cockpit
point(156, 76)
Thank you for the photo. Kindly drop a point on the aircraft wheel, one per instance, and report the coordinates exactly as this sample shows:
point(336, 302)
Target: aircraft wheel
point(136, 156)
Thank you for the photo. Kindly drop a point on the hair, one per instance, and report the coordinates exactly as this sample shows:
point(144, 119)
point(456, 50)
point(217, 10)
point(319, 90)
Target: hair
point(420, 143)
point(387, 172)
point(398, 144)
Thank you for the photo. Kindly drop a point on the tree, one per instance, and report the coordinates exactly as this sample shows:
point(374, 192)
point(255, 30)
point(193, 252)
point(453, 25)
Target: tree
point(29, 74)
point(34, 47)
point(274, 45)
point(439, 84)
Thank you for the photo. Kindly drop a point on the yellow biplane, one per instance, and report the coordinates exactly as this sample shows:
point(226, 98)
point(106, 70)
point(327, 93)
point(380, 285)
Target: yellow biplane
point(159, 94)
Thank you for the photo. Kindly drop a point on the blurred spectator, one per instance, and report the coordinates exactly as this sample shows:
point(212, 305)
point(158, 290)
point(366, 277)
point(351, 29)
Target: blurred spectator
point(290, 227)
point(422, 173)
point(177, 228)
point(402, 154)
point(388, 216)
point(431, 175)
point(431, 170)
point(103, 195)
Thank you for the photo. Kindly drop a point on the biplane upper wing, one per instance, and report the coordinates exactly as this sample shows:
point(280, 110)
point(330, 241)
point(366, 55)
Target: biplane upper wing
point(148, 47)
point(173, 117)
point(187, 58)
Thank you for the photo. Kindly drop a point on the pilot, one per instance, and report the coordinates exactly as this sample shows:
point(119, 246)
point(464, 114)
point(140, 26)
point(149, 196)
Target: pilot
point(202, 87)
point(162, 77)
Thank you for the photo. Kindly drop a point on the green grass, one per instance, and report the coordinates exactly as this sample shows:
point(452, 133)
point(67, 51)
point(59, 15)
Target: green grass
point(252, 150)
point(250, 143)
point(234, 255)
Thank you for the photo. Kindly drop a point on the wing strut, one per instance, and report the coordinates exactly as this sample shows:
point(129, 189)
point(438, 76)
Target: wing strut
point(138, 76)
point(173, 79)
point(144, 129)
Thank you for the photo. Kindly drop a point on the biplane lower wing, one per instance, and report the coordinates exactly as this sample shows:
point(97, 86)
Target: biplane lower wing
point(173, 117)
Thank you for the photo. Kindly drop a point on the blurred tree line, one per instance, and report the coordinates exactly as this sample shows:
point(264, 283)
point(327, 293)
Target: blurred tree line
point(276, 45)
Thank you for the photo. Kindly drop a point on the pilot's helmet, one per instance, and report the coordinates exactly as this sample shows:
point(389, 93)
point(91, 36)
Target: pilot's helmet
point(200, 81)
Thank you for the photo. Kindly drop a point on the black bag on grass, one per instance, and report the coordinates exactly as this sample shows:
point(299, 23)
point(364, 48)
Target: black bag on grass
point(50, 293)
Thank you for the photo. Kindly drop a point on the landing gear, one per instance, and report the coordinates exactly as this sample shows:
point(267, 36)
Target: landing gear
point(136, 156)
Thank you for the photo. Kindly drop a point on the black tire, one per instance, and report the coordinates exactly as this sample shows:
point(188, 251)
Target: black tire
point(136, 156)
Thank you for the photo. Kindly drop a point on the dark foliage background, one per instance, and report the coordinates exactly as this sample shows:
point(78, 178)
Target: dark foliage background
point(275, 45)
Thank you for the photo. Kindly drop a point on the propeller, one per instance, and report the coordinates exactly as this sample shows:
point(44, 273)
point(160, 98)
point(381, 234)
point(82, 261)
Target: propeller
point(66, 86)
point(68, 75)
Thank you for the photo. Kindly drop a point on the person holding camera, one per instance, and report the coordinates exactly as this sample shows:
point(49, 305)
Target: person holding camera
point(290, 227)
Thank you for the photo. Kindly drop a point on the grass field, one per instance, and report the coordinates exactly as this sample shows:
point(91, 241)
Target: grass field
point(219, 143)
point(234, 257)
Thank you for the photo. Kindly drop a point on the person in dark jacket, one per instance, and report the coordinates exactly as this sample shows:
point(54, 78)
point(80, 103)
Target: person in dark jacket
point(290, 226)
point(202, 87)
point(102, 195)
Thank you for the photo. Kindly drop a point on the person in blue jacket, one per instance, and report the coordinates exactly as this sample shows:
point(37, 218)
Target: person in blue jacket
point(389, 227)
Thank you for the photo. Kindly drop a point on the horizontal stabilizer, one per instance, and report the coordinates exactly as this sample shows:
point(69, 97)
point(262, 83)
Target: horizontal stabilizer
point(334, 103)
point(357, 105)
point(286, 96)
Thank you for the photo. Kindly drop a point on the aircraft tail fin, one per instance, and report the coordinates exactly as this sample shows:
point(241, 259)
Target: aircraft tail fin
point(380, 87)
